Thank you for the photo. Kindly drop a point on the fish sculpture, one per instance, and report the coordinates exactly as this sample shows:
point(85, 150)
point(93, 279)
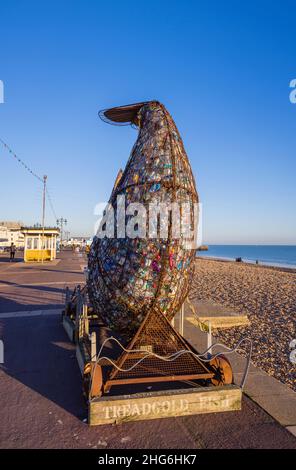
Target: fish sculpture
point(129, 275)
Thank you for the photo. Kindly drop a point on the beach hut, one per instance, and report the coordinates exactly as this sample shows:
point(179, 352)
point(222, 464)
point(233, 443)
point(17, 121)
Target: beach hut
point(40, 245)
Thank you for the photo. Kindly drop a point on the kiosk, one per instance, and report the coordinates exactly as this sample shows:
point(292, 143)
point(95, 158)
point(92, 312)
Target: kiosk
point(40, 244)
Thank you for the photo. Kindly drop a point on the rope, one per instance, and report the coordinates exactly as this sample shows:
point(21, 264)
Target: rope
point(51, 204)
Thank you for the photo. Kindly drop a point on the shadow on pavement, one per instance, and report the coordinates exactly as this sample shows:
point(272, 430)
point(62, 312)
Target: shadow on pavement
point(30, 297)
point(6, 259)
point(10, 306)
point(44, 360)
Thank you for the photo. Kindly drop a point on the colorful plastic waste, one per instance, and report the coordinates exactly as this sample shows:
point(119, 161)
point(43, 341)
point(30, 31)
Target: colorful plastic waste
point(128, 276)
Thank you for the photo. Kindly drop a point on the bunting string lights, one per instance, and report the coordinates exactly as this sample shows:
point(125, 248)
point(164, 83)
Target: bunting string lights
point(14, 155)
point(29, 170)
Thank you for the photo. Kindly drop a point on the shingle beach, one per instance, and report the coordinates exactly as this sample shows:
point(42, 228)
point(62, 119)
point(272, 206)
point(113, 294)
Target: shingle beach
point(267, 296)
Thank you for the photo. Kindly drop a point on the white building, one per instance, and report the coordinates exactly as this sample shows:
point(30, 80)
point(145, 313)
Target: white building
point(4, 236)
point(10, 232)
point(79, 241)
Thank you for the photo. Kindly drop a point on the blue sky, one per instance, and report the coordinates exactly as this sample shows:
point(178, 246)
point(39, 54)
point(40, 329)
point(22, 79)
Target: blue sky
point(221, 68)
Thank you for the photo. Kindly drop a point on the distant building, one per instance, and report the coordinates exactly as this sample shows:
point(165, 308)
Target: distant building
point(4, 237)
point(79, 241)
point(10, 232)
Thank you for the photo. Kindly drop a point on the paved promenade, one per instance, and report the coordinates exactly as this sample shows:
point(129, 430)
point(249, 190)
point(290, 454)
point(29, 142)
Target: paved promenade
point(40, 382)
point(28, 286)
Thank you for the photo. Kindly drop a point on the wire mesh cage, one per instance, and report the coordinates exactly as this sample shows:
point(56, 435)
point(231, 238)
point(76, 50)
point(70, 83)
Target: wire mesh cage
point(158, 342)
point(128, 276)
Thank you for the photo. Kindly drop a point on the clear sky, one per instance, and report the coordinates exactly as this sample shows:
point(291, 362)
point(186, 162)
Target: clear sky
point(222, 68)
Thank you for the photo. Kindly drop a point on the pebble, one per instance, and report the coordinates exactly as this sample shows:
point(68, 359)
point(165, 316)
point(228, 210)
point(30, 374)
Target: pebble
point(267, 296)
point(102, 443)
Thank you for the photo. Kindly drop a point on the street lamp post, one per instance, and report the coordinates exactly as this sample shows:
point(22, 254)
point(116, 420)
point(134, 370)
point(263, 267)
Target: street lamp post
point(43, 216)
point(60, 223)
point(67, 233)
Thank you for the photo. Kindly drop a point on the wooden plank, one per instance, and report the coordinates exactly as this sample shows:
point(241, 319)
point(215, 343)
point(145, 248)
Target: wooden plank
point(69, 327)
point(221, 321)
point(164, 404)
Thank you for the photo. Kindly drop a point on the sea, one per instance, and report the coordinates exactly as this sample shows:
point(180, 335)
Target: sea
point(271, 255)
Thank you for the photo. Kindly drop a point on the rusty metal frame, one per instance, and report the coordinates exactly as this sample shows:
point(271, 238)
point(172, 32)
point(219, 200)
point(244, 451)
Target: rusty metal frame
point(154, 370)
